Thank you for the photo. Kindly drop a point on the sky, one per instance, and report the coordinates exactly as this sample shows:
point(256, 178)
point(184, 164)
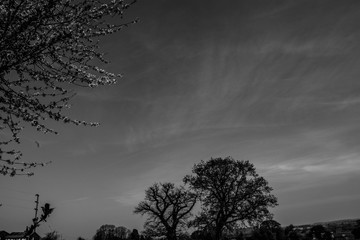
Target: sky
point(274, 82)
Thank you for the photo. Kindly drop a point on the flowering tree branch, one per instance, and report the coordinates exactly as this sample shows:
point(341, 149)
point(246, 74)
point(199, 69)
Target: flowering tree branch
point(46, 211)
point(45, 47)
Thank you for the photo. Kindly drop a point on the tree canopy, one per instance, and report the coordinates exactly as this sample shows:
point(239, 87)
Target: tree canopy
point(134, 235)
point(231, 192)
point(45, 47)
point(167, 207)
point(319, 232)
point(268, 230)
point(111, 232)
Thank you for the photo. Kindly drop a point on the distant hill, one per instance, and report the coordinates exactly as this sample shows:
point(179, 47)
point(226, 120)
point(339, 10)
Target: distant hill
point(339, 222)
point(349, 222)
point(340, 229)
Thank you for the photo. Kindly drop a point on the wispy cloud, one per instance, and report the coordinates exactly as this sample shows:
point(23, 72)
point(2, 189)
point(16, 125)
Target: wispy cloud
point(344, 103)
point(327, 166)
point(310, 48)
point(75, 200)
point(130, 198)
point(324, 200)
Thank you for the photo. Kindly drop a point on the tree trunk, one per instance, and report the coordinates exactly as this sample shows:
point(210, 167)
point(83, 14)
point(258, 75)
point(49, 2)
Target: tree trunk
point(218, 232)
point(171, 235)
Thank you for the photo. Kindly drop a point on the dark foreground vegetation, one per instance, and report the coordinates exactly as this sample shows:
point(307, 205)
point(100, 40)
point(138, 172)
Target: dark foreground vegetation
point(267, 230)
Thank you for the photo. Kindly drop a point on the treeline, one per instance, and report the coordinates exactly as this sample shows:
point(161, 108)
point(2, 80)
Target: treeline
point(110, 232)
point(267, 230)
point(272, 230)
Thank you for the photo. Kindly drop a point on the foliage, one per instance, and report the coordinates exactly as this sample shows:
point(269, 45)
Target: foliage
point(231, 193)
point(46, 211)
point(184, 236)
point(240, 236)
point(45, 47)
point(356, 230)
point(272, 225)
point(110, 232)
point(268, 230)
point(319, 232)
point(167, 207)
point(153, 231)
point(143, 236)
point(201, 235)
point(134, 235)
point(290, 233)
point(122, 232)
point(262, 234)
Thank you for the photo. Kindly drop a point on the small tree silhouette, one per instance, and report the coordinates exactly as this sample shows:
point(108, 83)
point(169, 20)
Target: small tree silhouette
point(46, 211)
point(168, 207)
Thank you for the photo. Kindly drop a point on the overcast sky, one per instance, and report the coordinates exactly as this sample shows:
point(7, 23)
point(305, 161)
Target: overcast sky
point(273, 82)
